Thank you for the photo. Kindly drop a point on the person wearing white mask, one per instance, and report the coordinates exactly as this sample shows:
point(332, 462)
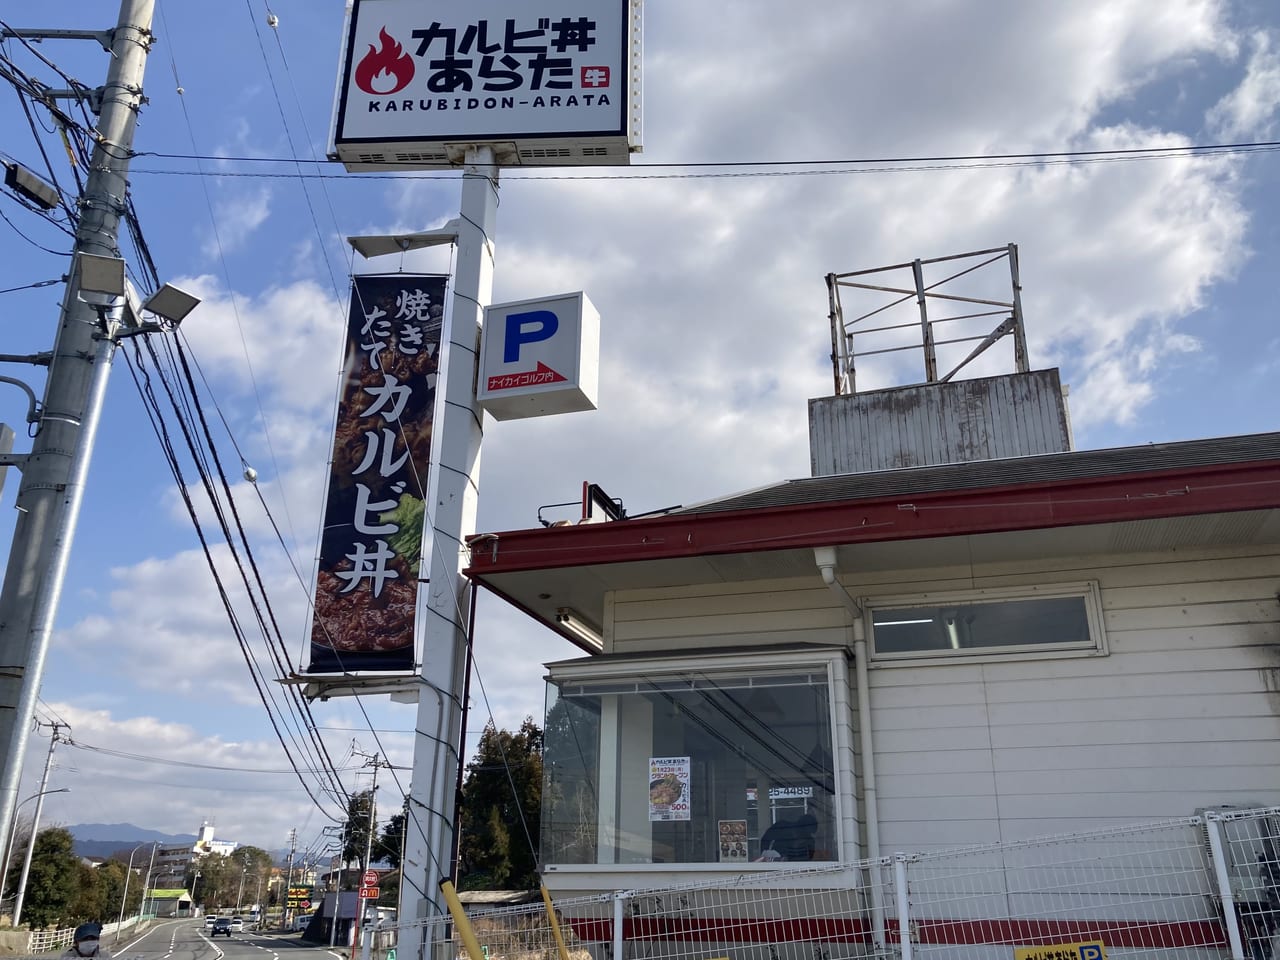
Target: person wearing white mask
point(86, 943)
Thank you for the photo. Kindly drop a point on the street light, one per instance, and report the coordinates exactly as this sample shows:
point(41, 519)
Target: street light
point(125, 896)
point(146, 884)
point(31, 846)
point(8, 850)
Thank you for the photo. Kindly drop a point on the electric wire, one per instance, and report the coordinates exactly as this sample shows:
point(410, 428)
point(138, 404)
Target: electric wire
point(70, 81)
point(284, 123)
point(42, 214)
point(33, 286)
point(153, 412)
point(731, 169)
point(317, 748)
point(506, 765)
point(190, 402)
point(310, 601)
point(279, 649)
point(142, 380)
point(298, 574)
point(226, 272)
point(26, 88)
point(202, 788)
point(39, 246)
point(192, 764)
point(51, 712)
point(847, 161)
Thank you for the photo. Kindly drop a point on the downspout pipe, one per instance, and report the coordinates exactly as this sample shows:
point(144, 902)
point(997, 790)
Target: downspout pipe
point(825, 558)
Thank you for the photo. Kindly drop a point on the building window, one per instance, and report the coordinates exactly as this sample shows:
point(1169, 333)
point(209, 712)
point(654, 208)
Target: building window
point(708, 766)
point(1061, 619)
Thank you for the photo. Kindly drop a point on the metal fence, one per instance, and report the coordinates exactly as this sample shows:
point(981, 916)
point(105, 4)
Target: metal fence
point(46, 941)
point(1194, 888)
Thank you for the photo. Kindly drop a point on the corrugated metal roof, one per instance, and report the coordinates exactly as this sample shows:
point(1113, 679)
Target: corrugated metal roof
point(1073, 465)
point(990, 418)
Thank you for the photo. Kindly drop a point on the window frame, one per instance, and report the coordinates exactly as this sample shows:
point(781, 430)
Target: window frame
point(1088, 590)
point(831, 661)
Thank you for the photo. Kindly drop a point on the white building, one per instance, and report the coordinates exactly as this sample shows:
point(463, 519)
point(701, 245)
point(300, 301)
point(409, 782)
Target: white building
point(173, 862)
point(958, 631)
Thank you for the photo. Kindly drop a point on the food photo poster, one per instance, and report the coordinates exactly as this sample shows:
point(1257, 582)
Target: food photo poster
point(668, 788)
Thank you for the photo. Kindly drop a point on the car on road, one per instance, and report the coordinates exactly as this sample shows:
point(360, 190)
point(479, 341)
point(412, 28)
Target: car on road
point(237, 924)
point(209, 921)
point(221, 926)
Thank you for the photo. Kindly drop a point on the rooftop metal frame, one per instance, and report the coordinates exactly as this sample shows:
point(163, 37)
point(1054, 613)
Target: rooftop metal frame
point(844, 355)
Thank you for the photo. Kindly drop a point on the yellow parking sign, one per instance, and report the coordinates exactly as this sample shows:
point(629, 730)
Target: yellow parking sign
point(1088, 950)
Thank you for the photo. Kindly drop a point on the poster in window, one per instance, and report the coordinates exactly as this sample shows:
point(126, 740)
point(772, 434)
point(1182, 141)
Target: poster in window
point(668, 788)
point(733, 841)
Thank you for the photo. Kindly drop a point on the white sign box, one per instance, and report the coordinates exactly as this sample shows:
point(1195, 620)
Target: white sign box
point(554, 82)
point(539, 357)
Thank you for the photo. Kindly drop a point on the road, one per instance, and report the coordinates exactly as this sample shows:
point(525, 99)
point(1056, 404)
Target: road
point(186, 940)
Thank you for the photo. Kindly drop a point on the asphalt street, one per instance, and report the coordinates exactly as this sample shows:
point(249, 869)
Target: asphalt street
point(187, 940)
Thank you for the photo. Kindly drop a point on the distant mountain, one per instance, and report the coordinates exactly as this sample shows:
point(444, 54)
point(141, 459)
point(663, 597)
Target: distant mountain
point(104, 839)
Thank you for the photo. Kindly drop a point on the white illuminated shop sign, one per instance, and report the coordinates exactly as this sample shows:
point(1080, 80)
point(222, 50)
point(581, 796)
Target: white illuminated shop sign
point(553, 81)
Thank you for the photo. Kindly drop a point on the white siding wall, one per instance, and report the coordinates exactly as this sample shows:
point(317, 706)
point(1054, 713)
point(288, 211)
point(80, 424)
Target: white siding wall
point(1183, 713)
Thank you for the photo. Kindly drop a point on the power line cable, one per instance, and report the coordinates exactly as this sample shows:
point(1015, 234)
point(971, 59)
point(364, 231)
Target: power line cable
point(142, 380)
point(34, 286)
point(284, 123)
point(38, 246)
point(278, 649)
point(226, 272)
point(908, 162)
point(168, 761)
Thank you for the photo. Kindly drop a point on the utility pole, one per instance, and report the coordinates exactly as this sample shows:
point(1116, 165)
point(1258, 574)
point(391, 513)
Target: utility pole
point(285, 913)
point(146, 883)
point(55, 471)
point(35, 823)
point(374, 762)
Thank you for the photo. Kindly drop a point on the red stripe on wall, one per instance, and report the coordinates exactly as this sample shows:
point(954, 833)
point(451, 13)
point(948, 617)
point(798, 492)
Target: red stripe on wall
point(1028, 932)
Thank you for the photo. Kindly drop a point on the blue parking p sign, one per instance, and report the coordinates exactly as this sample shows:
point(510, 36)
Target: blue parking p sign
point(539, 357)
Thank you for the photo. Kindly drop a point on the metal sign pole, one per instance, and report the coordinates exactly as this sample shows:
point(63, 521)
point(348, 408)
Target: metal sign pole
point(54, 477)
point(451, 503)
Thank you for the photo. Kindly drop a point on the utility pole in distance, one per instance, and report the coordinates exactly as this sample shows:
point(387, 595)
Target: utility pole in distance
point(35, 822)
point(285, 913)
point(55, 471)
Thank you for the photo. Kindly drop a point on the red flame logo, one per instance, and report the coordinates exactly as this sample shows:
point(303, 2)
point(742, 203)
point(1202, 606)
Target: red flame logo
point(384, 70)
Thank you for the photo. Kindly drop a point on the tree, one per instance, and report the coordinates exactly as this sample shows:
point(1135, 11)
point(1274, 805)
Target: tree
point(53, 881)
point(502, 800)
point(102, 888)
point(255, 869)
point(389, 845)
point(21, 837)
point(361, 812)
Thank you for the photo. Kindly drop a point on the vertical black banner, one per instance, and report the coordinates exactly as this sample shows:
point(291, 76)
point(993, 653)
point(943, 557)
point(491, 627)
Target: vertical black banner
point(371, 545)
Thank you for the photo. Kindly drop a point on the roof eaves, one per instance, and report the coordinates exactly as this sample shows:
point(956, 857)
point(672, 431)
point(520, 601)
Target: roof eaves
point(1099, 496)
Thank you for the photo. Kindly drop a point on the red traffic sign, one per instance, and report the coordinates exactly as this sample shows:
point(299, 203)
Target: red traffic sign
point(370, 893)
point(370, 879)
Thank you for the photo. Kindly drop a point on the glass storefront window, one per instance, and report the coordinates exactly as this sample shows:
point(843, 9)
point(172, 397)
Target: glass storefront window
point(701, 767)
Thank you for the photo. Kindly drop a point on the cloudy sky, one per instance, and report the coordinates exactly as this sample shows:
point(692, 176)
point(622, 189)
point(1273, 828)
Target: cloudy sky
point(1149, 282)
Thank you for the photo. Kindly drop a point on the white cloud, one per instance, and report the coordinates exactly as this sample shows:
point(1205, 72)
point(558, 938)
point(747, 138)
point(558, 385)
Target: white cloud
point(1248, 112)
point(237, 218)
point(194, 776)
